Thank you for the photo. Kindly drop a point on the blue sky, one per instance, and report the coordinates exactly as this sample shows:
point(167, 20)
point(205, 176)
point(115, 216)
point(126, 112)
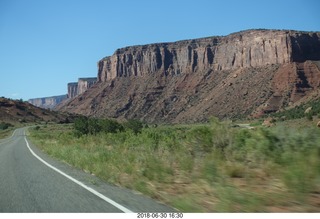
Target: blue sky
point(45, 44)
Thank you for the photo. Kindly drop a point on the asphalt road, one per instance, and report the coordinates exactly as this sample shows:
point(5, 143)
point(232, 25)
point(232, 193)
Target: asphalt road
point(30, 181)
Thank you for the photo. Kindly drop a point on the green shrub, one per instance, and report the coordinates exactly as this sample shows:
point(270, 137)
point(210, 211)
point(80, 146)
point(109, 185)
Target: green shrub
point(208, 138)
point(201, 139)
point(135, 125)
point(223, 135)
point(309, 116)
point(299, 111)
point(81, 126)
point(4, 125)
point(110, 126)
point(93, 126)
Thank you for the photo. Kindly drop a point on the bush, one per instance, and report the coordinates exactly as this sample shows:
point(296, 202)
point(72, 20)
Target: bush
point(81, 126)
point(135, 125)
point(309, 116)
point(4, 125)
point(93, 126)
point(212, 138)
point(111, 126)
point(201, 139)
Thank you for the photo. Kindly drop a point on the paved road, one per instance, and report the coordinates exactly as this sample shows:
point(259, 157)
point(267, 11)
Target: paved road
point(30, 181)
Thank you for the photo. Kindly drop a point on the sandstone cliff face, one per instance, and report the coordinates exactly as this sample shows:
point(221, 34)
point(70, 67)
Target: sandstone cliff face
point(72, 89)
point(255, 48)
point(47, 102)
point(246, 73)
point(83, 84)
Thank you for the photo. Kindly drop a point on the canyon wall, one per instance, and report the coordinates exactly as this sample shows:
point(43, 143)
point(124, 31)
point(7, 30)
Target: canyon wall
point(83, 84)
point(72, 89)
point(253, 48)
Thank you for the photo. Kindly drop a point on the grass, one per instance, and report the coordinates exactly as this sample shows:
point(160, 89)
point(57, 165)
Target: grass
point(6, 132)
point(200, 168)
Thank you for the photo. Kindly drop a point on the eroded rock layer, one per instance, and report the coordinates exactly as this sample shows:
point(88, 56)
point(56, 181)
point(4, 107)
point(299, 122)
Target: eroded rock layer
point(254, 48)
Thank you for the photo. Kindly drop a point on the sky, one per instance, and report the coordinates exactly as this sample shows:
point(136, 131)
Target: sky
point(45, 44)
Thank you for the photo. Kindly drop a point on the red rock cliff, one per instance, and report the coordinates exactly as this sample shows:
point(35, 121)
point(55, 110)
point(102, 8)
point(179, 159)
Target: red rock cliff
point(246, 73)
point(253, 48)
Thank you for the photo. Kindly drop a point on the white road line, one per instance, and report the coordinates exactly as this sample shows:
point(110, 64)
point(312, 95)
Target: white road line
point(115, 204)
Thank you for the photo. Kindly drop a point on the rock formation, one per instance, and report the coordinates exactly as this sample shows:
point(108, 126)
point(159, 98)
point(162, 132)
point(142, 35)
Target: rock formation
point(72, 89)
point(254, 48)
point(246, 73)
point(83, 84)
point(47, 102)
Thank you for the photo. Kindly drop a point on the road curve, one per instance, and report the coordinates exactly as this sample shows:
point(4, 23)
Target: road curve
point(30, 181)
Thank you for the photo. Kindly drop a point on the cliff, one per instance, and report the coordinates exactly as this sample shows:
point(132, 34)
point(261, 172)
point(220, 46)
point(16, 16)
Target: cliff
point(72, 89)
point(246, 73)
point(254, 48)
point(83, 84)
point(47, 102)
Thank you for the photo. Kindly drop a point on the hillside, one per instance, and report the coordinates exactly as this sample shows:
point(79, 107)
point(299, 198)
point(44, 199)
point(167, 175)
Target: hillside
point(249, 73)
point(15, 111)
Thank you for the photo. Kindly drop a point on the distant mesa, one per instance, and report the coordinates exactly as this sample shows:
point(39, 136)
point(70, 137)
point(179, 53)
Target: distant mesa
point(74, 89)
point(47, 102)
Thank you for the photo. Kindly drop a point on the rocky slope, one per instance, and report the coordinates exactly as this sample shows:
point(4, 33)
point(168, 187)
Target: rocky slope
point(47, 102)
point(245, 73)
point(15, 111)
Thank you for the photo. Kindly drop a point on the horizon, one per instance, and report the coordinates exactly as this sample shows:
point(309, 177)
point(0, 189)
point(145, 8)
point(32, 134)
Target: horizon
point(47, 44)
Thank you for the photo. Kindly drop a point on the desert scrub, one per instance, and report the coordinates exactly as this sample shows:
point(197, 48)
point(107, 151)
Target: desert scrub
point(299, 111)
point(7, 132)
point(197, 168)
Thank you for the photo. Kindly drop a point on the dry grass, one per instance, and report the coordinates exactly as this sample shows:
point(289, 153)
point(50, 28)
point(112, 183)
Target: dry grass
point(6, 133)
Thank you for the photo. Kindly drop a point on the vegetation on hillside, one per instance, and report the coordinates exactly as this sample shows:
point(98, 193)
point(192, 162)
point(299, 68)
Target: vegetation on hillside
point(6, 129)
point(196, 168)
point(300, 111)
point(84, 125)
point(5, 125)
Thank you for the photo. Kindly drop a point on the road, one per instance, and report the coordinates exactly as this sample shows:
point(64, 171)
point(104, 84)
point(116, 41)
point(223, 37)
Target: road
point(30, 181)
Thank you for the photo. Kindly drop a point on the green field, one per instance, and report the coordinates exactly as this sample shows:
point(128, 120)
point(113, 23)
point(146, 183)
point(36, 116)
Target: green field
point(214, 167)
